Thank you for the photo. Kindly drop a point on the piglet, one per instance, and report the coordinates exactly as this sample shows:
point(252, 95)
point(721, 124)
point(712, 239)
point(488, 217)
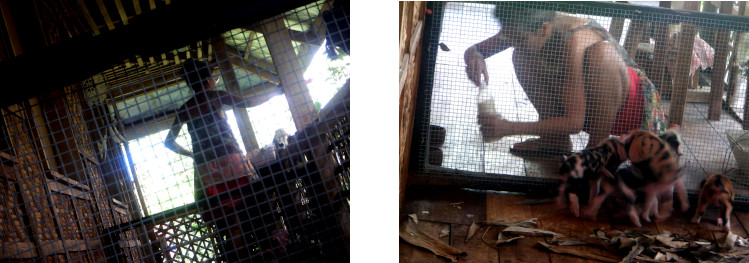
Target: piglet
point(658, 166)
point(582, 171)
point(716, 190)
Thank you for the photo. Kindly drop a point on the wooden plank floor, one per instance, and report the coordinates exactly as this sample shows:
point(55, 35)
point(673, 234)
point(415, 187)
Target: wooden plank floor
point(450, 211)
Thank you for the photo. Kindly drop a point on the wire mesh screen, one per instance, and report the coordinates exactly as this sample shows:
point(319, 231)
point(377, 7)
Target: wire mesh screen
point(231, 149)
point(511, 88)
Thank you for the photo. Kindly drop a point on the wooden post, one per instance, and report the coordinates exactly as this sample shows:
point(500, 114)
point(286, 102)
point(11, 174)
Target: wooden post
point(634, 34)
point(660, 55)
point(719, 69)
point(10, 26)
point(745, 125)
point(681, 72)
point(413, 15)
point(232, 85)
point(733, 77)
point(616, 28)
point(287, 66)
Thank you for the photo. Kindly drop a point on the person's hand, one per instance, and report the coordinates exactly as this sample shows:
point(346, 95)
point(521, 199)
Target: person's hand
point(493, 126)
point(475, 66)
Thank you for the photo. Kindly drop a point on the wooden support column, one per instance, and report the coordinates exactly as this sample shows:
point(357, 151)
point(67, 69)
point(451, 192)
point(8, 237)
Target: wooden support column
point(230, 80)
point(616, 28)
point(287, 65)
point(719, 72)
point(745, 125)
point(10, 26)
point(733, 69)
point(681, 70)
point(660, 55)
point(634, 34)
point(412, 21)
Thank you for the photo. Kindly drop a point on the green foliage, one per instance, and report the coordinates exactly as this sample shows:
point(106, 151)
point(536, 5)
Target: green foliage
point(338, 67)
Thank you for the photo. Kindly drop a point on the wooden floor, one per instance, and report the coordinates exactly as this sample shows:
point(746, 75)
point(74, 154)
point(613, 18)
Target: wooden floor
point(451, 211)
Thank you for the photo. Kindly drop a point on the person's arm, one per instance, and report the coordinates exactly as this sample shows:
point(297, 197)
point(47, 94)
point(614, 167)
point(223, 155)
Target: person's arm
point(233, 100)
point(475, 55)
point(171, 138)
point(493, 45)
point(573, 100)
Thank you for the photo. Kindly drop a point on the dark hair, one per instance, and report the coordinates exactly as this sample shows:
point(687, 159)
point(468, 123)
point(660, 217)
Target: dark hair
point(194, 72)
point(524, 18)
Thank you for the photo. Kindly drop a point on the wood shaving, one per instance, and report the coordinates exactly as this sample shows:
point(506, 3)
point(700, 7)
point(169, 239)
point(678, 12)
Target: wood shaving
point(410, 232)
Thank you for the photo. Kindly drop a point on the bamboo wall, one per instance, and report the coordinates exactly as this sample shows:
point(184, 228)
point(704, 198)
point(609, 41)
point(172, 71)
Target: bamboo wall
point(54, 198)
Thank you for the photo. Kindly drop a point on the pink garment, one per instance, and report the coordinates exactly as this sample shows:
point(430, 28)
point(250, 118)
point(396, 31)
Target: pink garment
point(226, 174)
point(703, 55)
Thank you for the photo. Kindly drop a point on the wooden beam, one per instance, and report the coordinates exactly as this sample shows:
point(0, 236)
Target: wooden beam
point(733, 74)
point(17, 250)
point(288, 68)
point(89, 19)
point(617, 28)
point(407, 95)
point(719, 69)
point(121, 11)
point(45, 144)
point(136, 5)
point(405, 34)
point(179, 24)
point(263, 91)
point(681, 71)
point(232, 85)
point(159, 77)
point(10, 26)
point(248, 45)
point(660, 55)
point(308, 37)
point(254, 70)
point(103, 9)
point(745, 124)
point(634, 34)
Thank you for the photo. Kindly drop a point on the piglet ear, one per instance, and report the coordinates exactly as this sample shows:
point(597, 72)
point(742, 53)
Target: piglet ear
point(625, 138)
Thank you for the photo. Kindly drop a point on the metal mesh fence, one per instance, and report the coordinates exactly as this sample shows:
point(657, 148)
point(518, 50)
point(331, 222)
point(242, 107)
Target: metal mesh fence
point(259, 173)
point(565, 76)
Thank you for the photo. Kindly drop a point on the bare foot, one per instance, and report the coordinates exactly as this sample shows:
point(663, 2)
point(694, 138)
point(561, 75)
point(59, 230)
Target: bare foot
point(544, 145)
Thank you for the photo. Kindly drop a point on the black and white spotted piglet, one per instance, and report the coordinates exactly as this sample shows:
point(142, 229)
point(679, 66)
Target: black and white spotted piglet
point(581, 173)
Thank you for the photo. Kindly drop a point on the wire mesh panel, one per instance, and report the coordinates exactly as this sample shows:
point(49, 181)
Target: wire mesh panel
point(234, 148)
point(512, 87)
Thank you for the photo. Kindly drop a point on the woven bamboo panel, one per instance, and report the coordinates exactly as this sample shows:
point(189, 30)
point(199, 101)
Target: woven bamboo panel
point(98, 256)
point(11, 223)
point(132, 252)
point(79, 257)
point(30, 179)
point(86, 219)
point(66, 216)
point(184, 239)
point(100, 194)
point(55, 258)
point(82, 139)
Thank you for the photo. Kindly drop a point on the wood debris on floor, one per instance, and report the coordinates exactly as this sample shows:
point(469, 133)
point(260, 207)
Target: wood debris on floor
point(510, 230)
